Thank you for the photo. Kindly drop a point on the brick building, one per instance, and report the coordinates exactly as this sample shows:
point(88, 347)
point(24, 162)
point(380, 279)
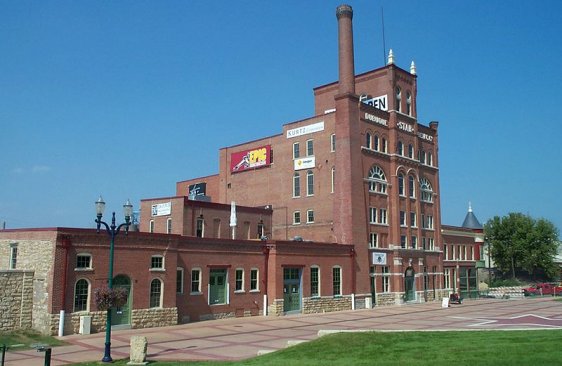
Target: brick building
point(361, 171)
point(341, 210)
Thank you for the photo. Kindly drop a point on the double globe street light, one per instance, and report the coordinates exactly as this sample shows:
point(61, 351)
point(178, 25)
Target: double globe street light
point(112, 231)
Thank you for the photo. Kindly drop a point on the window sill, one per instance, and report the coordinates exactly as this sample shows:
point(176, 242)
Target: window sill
point(196, 293)
point(83, 269)
point(239, 292)
point(157, 270)
point(255, 291)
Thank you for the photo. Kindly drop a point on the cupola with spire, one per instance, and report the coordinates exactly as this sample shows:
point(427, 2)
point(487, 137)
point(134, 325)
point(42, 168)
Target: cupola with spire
point(470, 221)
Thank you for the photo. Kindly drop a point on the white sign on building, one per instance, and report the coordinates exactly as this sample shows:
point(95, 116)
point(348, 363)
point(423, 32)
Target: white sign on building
point(305, 163)
point(379, 258)
point(162, 209)
point(305, 130)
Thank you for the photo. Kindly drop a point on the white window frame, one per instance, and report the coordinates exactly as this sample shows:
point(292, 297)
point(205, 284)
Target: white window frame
point(413, 219)
point(84, 255)
point(191, 282)
point(162, 267)
point(385, 279)
point(87, 296)
point(340, 281)
point(237, 280)
point(296, 184)
point(377, 180)
point(296, 150)
point(295, 221)
point(256, 287)
point(402, 217)
point(333, 142)
point(310, 147)
point(317, 268)
point(161, 295)
point(308, 214)
point(309, 183)
point(169, 225)
point(151, 226)
point(373, 240)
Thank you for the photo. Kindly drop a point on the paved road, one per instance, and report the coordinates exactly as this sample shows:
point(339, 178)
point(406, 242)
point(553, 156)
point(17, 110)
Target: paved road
point(239, 338)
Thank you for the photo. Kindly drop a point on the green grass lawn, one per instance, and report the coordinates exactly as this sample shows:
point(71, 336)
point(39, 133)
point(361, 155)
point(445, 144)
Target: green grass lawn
point(23, 339)
point(538, 347)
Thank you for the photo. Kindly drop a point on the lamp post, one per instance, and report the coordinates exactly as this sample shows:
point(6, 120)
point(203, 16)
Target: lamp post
point(112, 231)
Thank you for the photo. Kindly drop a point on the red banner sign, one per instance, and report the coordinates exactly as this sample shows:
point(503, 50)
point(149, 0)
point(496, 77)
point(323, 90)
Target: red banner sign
point(250, 159)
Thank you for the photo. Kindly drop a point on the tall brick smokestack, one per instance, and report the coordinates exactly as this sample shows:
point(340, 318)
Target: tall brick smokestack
point(344, 13)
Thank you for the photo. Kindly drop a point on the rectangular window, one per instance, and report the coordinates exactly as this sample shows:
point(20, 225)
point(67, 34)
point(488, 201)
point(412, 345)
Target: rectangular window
point(309, 147)
point(169, 226)
point(414, 242)
point(254, 284)
point(373, 240)
point(195, 280)
point(372, 215)
point(296, 150)
point(314, 282)
point(336, 281)
point(403, 241)
point(471, 253)
point(429, 222)
point(309, 183)
point(296, 217)
point(157, 262)
point(385, 279)
point(333, 179)
point(261, 230)
point(454, 252)
point(402, 218)
point(151, 226)
point(445, 252)
point(332, 143)
point(447, 278)
point(296, 185)
point(83, 261)
point(179, 280)
point(200, 229)
point(310, 216)
point(239, 286)
point(413, 221)
point(382, 216)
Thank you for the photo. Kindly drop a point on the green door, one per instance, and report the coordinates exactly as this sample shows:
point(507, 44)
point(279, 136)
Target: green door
point(409, 285)
point(217, 287)
point(122, 315)
point(291, 290)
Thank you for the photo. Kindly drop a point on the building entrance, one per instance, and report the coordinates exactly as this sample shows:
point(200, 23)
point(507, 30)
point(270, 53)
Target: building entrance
point(409, 284)
point(291, 290)
point(122, 315)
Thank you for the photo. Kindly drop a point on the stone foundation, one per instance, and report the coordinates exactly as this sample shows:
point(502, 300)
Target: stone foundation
point(16, 300)
point(325, 304)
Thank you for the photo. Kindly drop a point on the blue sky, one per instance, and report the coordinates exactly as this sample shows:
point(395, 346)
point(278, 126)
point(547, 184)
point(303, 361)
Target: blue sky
point(125, 98)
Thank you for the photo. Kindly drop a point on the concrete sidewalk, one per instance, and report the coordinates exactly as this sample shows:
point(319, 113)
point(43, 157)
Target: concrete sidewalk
point(240, 338)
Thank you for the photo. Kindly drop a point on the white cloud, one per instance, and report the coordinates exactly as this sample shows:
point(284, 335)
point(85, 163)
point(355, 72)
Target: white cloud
point(40, 169)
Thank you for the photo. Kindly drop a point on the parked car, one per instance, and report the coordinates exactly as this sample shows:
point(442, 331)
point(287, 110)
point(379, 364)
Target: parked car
point(543, 289)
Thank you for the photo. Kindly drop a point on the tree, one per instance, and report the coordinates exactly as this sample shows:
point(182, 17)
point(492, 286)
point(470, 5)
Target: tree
point(520, 242)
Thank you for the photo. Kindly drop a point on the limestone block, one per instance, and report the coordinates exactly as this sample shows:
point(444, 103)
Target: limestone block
point(139, 346)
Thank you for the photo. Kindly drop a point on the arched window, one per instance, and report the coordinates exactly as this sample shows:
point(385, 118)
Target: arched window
point(156, 293)
point(400, 148)
point(384, 147)
point(296, 185)
point(422, 156)
point(81, 292)
point(368, 140)
point(411, 186)
point(408, 104)
point(398, 99)
point(377, 180)
point(410, 151)
point(309, 183)
point(426, 190)
point(376, 143)
point(429, 159)
point(401, 184)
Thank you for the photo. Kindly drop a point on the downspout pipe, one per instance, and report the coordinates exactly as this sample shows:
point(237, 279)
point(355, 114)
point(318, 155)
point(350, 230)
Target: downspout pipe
point(65, 246)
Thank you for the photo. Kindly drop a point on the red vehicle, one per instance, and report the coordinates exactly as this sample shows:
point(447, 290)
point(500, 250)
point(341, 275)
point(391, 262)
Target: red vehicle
point(543, 289)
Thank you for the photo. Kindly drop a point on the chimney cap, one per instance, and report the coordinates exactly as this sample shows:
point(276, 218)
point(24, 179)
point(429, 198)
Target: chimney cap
point(344, 10)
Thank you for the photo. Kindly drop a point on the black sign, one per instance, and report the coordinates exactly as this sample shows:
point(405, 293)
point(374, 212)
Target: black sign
point(198, 189)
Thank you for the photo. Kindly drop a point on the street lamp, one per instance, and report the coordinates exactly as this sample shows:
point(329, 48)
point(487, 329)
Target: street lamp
point(112, 231)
